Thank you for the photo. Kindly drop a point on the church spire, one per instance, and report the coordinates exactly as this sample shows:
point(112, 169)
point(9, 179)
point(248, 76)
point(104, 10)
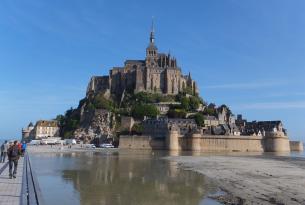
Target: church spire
point(152, 50)
point(152, 32)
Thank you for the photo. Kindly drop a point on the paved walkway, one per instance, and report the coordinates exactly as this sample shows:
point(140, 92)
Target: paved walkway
point(10, 189)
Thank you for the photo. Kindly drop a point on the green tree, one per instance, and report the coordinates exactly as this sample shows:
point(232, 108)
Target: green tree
point(90, 106)
point(194, 103)
point(176, 113)
point(210, 110)
point(137, 129)
point(189, 90)
point(139, 111)
point(185, 103)
point(69, 122)
point(60, 119)
point(100, 102)
point(199, 118)
point(229, 112)
point(212, 106)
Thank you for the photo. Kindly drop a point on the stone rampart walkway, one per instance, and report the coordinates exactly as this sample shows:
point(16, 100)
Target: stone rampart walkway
point(10, 189)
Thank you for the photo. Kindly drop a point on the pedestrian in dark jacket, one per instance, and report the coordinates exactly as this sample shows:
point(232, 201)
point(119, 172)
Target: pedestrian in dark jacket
point(4, 148)
point(13, 154)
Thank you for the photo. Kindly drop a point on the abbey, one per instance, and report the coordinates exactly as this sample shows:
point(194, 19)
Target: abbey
point(157, 73)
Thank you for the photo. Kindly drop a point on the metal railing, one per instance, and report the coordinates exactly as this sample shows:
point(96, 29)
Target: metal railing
point(30, 192)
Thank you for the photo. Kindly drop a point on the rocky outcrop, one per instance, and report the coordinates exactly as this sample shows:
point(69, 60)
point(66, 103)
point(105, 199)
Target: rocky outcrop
point(98, 84)
point(98, 123)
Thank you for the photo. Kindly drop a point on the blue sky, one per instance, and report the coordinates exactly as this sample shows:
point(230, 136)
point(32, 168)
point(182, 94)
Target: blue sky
point(247, 54)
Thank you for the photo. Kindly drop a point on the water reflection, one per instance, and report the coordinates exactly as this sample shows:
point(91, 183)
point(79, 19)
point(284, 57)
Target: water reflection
point(133, 178)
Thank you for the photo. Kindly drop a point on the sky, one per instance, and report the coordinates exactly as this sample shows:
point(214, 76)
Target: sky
point(247, 54)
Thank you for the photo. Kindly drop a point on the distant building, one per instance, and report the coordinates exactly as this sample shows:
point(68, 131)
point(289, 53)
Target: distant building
point(259, 128)
point(222, 116)
point(45, 129)
point(127, 123)
point(234, 130)
point(210, 121)
point(27, 132)
point(164, 107)
point(159, 127)
point(241, 123)
point(271, 126)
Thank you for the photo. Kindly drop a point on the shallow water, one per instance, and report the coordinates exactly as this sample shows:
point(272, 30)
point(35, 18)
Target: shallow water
point(298, 154)
point(135, 178)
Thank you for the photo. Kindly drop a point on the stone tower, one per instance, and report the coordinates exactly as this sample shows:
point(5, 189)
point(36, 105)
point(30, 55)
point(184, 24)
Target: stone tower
point(172, 138)
point(152, 50)
point(157, 73)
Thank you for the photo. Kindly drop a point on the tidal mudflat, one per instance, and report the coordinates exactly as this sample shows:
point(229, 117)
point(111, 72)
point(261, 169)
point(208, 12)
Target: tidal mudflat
point(118, 178)
point(264, 179)
point(79, 176)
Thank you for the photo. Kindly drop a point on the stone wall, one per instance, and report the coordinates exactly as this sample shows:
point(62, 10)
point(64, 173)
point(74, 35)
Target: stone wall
point(98, 84)
point(141, 142)
point(296, 146)
point(221, 143)
point(127, 123)
point(210, 143)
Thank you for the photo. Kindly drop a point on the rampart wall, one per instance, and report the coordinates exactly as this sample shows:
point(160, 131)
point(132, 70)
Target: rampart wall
point(296, 146)
point(209, 143)
point(212, 143)
point(141, 142)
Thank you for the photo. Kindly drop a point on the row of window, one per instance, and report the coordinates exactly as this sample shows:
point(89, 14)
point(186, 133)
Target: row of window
point(153, 52)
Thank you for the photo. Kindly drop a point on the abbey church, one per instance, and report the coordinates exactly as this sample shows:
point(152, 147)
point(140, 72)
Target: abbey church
point(158, 73)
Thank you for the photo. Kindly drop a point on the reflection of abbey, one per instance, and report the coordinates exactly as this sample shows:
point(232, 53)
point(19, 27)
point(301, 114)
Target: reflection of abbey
point(159, 72)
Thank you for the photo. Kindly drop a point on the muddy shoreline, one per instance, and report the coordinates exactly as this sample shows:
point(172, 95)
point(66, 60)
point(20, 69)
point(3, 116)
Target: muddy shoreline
point(243, 179)
point(251, 179)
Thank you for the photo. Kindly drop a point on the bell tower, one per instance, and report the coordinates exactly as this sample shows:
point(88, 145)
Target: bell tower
point(152, 50)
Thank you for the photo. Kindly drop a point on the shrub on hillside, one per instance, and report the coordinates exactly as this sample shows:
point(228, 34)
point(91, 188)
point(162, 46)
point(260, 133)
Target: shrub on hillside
point(176, 113)
point(100, 102)
point(137, 129)
point(139, 111)
point(199, 118)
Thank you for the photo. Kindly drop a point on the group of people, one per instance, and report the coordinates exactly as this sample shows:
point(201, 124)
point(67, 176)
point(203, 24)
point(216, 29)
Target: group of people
point(13, 151)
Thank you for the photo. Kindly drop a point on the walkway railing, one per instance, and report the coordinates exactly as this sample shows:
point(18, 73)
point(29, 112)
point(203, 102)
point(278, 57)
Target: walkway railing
point(30, 193)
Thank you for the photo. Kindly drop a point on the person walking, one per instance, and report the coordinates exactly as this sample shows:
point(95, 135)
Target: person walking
point(13, 154)
point(4, 148)
point(19, 145)
point(23, 148)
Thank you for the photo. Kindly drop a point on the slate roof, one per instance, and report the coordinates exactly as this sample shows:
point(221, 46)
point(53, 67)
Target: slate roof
point(47, 123)
point(208, 117)
point(255, 127)
point(135, 62)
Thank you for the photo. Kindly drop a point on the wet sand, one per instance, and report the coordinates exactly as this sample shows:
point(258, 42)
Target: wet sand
point(252, 180)
point(245, 179)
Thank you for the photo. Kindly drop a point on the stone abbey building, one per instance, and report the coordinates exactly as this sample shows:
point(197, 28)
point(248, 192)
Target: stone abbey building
point(158, 73)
